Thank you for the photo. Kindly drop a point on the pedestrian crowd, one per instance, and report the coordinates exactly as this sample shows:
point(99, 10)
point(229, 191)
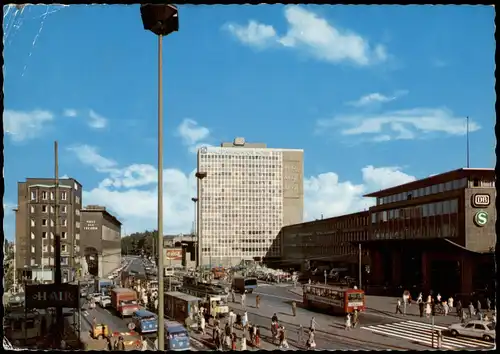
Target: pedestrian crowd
point(433, 306)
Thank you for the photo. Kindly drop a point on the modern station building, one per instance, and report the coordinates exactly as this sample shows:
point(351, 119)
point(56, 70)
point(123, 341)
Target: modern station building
point(324, 243)
point(250, 192)
point(436, 233)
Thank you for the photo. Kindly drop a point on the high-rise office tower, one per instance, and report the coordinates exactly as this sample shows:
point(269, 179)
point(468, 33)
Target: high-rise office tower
point(249, 193)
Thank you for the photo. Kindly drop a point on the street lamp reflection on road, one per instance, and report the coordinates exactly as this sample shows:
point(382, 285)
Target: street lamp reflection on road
point(161, 20)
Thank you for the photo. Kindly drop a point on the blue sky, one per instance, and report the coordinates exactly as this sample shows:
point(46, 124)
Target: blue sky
point(375, 96)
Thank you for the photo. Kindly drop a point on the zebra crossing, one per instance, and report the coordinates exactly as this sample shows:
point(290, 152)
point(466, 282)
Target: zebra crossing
point(421, 333)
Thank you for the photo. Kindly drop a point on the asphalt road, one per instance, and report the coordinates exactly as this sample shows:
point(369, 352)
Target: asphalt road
point(330, 330)
point(280, 297)
point(136, 265)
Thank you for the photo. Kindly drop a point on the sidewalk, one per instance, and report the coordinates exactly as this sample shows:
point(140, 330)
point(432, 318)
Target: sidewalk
point(386, 306)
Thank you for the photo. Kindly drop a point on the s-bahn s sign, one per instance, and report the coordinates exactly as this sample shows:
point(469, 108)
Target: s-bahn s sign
point(481, 218)
point(481, 200)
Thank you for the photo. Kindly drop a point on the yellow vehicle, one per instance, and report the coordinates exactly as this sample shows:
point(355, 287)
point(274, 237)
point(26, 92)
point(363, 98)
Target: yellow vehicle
point(99, 331)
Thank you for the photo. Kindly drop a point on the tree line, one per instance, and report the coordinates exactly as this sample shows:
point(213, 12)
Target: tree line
point(139, 243)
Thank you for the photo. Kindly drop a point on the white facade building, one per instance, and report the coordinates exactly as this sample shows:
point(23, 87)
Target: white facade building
point(242, 202)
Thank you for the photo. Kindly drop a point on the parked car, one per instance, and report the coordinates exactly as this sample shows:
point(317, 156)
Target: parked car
point(105, 301)
point(475, 329)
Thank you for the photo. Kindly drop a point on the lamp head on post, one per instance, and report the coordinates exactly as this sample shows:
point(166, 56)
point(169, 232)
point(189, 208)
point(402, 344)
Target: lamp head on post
point(161, 19)
point(201, 175)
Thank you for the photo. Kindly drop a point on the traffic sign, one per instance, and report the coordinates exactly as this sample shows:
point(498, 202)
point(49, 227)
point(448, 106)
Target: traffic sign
point(131, 326)
point(481, 218)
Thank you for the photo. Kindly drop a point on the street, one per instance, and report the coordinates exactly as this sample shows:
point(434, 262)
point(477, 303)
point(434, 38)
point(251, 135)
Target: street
point(377, 330)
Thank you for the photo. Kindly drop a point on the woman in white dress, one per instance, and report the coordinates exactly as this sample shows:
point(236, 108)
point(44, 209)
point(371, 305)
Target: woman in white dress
point(428, 309)
point(348, 323)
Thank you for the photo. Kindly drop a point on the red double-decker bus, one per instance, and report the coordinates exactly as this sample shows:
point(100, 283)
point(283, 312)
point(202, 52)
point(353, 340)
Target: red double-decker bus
point(334, 299)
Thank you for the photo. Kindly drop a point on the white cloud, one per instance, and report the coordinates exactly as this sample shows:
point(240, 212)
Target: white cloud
point(97, 121)
point(88, 155)
point(131, 193)
point(254, 34)
point(193, 134)
point(326, 195)
point(399, 125)
point(25, 125)
point(374, 98)
point(70, 113)
point(310, 33)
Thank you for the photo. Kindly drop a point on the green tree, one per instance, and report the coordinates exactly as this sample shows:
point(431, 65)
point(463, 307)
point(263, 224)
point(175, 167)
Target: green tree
point(139, 243)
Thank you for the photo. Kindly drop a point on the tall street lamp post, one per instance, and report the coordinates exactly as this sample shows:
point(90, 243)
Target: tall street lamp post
point(161, 20)
point(200, 176)
point(195, 200)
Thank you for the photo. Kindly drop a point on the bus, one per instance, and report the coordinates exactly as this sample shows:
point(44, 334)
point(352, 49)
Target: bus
point(335, 299)
point(176, 336)
point(145, 321)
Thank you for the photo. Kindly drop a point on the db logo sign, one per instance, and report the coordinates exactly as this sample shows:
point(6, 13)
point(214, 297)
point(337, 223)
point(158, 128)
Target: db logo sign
point(480, 200)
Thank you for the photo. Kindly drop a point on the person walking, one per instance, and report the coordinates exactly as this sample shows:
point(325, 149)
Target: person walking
point(227, 331)
point(217, 338)
point(463, 317)
point(230, 320)
point(355, 318)
point(311, 343)
point(406, 296)
point(233, 296)
point(202, 325)
point(348, 322)
point(459, 308)
point(421, 308)
point(450, 303)
point(121, 344)
point(478, 306)
point(294, 308)
point(244, 320)
point(243, 343)
point(472, 312)
point(233, 341)
point(428, 309)
point(144, 344)
point(283, 340)
point(488, 304)
point(243, 297)
point(257, 301)
point(446, 308)
point(257, 337)
point(109, 343)
point(312, 327)
point(398, 307)
point(300, 334)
